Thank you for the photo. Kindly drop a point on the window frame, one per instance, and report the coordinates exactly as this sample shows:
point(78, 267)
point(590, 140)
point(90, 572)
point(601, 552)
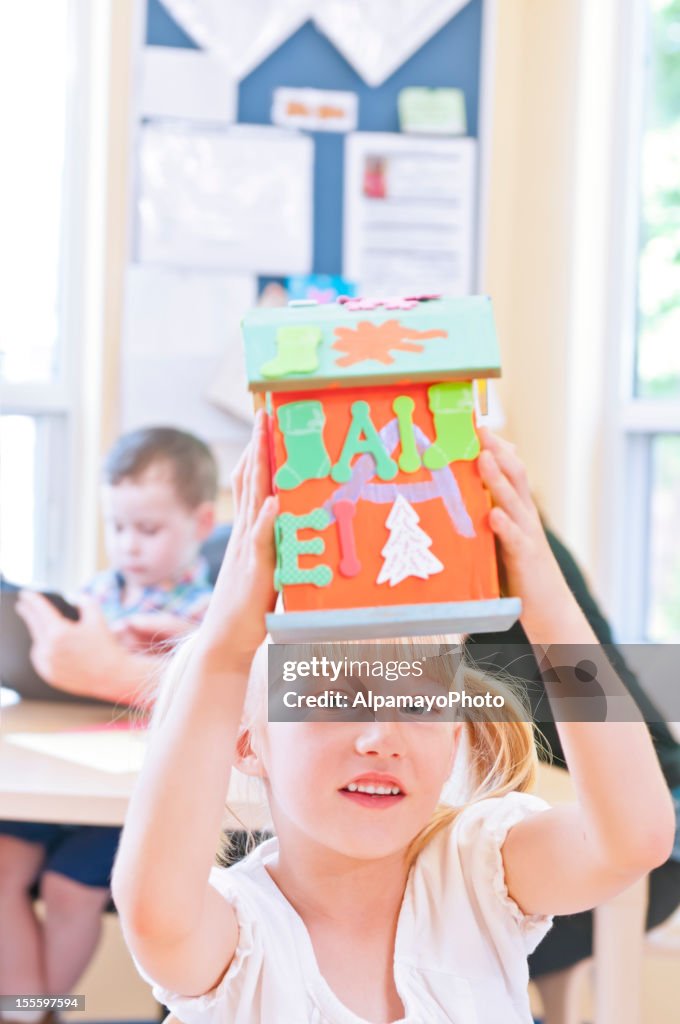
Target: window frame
point(63, 408)
point(635, 421)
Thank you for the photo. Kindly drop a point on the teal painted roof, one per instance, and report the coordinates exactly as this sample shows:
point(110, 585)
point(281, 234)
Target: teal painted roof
point(312, 346)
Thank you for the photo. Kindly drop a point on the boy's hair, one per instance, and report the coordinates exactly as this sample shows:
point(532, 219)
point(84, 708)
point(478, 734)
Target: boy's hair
point(191, 462)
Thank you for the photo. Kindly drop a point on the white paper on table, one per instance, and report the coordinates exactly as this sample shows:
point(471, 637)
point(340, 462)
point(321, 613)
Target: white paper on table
point(179, 329)
point(416, 232)
point(117, 752)
point(236, 199)
point(180, 83)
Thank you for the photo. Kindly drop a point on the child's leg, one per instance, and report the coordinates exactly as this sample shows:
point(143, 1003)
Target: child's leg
point(76, 888)
point(21, 960)
point(73, 914)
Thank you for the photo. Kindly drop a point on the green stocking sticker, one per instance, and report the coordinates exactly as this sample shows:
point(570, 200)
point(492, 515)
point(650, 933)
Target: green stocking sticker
point(451, 405)
point(289, 547)
point(301, 424)
point(295, 352)
point(386, 468)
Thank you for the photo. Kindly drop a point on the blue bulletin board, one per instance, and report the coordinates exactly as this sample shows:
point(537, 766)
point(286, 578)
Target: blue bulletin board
point(452, 57)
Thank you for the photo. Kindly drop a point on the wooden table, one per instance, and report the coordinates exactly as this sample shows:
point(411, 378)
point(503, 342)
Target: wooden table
point(39, 787)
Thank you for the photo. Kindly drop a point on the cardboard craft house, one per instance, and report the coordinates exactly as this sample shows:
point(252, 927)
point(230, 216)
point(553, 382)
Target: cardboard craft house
point(383, 526)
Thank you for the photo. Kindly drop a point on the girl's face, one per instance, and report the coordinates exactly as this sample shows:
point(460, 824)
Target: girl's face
point(364, 789)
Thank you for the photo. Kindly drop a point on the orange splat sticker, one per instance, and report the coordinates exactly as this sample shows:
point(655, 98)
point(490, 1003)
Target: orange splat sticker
point(376, 341)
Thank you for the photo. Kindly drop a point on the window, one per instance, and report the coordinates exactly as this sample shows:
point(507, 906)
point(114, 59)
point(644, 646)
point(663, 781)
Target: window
point(42, 204)
point(18, 443)
point(31, 196)
point(663, 613)
point(649, 549)
point(657, 370)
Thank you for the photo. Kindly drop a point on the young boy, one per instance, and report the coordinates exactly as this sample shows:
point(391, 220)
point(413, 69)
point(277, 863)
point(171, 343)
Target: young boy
point(158, 496)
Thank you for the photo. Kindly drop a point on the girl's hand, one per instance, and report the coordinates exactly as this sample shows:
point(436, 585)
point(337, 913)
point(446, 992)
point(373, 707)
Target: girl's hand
point(529, 568)
point(244, 591)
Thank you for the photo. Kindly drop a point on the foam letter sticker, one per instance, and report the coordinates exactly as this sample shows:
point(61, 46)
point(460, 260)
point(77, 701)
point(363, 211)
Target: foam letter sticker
point(386, 468)
point(289, 547)
point(409, 460)
point(343, 511)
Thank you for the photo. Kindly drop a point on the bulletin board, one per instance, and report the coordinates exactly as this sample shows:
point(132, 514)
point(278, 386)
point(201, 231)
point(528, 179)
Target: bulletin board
point(451, 58)
point(187, 369)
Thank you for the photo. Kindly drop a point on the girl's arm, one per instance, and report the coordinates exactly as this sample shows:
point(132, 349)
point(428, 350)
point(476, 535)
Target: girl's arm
point(182, 932)
point(571, 858)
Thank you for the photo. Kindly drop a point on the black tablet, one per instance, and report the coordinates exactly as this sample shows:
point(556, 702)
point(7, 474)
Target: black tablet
point(16, 669)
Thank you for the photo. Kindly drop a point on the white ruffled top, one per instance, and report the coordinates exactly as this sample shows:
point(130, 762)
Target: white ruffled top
point(461, 946)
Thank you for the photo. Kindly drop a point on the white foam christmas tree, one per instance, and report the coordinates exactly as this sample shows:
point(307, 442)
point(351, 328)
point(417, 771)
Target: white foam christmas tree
point(406, 552)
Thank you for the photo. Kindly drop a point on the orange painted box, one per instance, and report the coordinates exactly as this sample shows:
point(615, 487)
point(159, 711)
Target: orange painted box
point(383, 524)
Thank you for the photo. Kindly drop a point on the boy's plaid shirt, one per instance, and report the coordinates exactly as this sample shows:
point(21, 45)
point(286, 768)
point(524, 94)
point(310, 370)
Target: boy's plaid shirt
point(187, 597)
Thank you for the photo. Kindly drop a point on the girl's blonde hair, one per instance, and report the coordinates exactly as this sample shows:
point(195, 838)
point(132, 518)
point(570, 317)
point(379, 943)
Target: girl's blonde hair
point(502, 754)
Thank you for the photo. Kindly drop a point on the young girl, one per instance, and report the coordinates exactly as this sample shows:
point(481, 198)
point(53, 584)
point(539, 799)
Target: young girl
point(377, 906)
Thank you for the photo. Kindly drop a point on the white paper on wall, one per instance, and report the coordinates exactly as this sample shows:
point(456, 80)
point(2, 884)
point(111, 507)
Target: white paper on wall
point(377, 37)
point(374, 36)
point(177, 328)
point(238, 199)
point(241, 34)
point(182, 83)
point(409, 214)
point(317, 110)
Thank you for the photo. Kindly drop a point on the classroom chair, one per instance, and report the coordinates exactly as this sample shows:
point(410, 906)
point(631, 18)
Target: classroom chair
point(618, 941)
point(214, 547)
point(616, 970)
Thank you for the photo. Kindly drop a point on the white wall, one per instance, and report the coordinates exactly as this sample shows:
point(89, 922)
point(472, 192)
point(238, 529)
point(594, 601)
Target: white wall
point(548, 250)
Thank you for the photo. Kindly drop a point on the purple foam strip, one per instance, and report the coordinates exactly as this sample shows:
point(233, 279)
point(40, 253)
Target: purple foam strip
point(443, 484)
point(381, 494)
point(448, 489)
